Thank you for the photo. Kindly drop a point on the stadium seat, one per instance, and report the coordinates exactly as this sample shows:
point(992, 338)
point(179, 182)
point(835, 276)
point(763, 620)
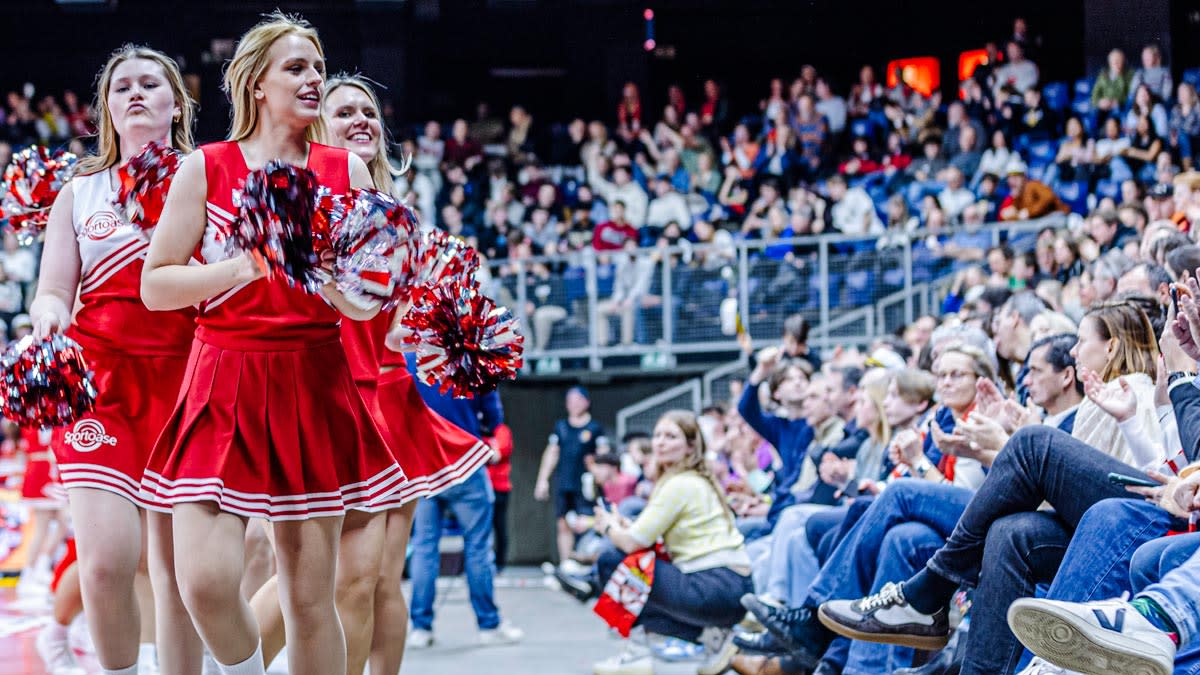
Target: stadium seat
point(1192, 77)
point(1075, 195)
point(1041, 153)
point(1082, 106)
point(860, 127)
point(1108, 188)
point(1056, 96)
point(1083, 88)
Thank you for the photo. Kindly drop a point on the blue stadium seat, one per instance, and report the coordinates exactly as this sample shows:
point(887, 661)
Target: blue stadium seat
point(1075, 195)
point(1192, 77)
point(1108, 188)
point(1041, 153)
point(1082, 106)
point(1083, 88)
point(860, 127)
point(917, 190)
point(1056, 96)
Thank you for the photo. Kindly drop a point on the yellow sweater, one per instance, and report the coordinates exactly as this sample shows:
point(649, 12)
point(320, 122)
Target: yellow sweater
point(689, 516)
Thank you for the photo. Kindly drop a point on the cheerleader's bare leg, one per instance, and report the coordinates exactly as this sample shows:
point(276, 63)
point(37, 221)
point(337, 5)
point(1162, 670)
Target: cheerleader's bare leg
point(306, 557)
point(391, 609)
point(360, 552)
point(108, 538)
point(209, 553)
point(180, 651)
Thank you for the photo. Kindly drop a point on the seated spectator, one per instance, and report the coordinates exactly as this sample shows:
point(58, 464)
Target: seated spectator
point(865, 92)
point(1036, 122)
point(1153, 74)
point(1185, 123)
point(742, 153)
point(1017, 74)
point(697, 586)
point(631, 284)
point(996, 159)
point(957, 122)
point(1112, 86)
point(667, 206)
point(930, 163)
point(1076, 153)
point(1028, 199)
point(1109, 150)
point(861, 163)
point(461, 149)
point(1146, 104)
point(966, 156)
point(956, 197)
point(1098, 283)
point(1108, 231)
point(812, 132)
point(852, 210)
point(543, 290)
point(831, 106)
point(612, 234)
point(1144, 146)
point(779, 156)
point(621, 188)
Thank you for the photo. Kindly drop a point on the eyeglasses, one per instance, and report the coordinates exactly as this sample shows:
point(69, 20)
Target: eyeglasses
point(955, 375)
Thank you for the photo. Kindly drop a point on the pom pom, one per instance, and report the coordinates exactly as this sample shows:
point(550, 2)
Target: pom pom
point(46, 382)
point(31, 184)
point(365, 231)
point(145, 180)
point(431, 258)
point(274, 223)
point(465, 344)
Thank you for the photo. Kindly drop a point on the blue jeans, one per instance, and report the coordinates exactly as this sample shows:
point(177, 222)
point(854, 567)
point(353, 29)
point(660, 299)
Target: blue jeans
point(851, 569)
point(683, 605)
point(791, 561)
point(1151, 563)
point(471, 503)
point(1037, 464)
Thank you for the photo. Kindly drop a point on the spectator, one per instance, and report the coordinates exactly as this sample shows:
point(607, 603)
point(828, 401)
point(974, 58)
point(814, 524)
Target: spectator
point(930, 163)
point(667, 206)
point(1018, 74)
point(956, 197)
point(629, 113)
point(779, 157)
point(1028, 199)
point(997, 158)
point(957, 122)
point(1153, 74)
point(865, 93)
point(831, 106)
point(1107, 230)
point(1112, 87)
point(966, 156)
point(743, 154)
point(612, 234)
point(430, 148)
point(622, 188)
point(631, 285)
point(1185, 123)
point(1076, 153)
point(715, 109)
point(499, 470)
point(708, 569)
point(1145, 104)
point(1144, 146)
point(461, 149)
point(520, 136)
point(852, 210)
point(812, 130)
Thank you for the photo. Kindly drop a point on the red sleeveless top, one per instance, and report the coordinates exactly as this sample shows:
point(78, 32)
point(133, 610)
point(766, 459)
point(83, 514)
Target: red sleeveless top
point(265, 314)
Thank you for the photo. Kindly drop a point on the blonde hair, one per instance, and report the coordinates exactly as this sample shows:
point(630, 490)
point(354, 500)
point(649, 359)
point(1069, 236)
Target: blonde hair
point(382, 172)
point(250, 62)
point(1137, 349)
point(875, 384)
point(108, 144)
point(694, 460)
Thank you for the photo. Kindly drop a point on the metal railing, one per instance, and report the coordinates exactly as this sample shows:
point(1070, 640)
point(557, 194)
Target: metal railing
point(688, 299)
point(645, 413)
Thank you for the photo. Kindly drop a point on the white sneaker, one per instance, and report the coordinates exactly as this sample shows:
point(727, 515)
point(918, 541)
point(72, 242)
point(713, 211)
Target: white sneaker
point(504, 634)
point(80, 636)
point(1040, 666)
point(720, 650)
point(32, 586)
point(573, 568)
point(1108, 637)
point(210, 665)
point(634, 659)
point(420, 639)
point(55, 649)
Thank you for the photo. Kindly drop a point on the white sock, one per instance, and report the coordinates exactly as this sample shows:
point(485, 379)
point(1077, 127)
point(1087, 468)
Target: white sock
point(251, 666)
point(131, 670)
point(147, 652)
point(57, 631)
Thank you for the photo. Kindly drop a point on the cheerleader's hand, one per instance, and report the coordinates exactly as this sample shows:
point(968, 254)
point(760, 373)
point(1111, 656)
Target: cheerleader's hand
point(50, 316)
point(396, 339)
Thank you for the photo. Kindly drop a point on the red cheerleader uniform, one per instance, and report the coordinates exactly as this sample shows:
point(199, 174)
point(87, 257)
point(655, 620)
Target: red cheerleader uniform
point(269, 423)
point(41, 486)
point(137, 356)
point(435, 454)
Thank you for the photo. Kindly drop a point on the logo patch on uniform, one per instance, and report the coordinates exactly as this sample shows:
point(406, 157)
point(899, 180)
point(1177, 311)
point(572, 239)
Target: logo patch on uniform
point(88, 435)
point(585, 435)
point(101, 225)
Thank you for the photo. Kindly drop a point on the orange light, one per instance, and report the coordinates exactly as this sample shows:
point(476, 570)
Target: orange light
point(968, 61)
point(922, 73)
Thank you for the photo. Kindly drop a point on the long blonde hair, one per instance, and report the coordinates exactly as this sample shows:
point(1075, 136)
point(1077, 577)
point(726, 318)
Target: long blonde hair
point(382, 172)
point(108, 144)
point(695, 459)
point(875, 384)
point(250, 62)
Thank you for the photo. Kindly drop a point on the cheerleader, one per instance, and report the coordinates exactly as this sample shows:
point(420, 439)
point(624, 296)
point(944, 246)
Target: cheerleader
point(89, 250)
point(436, 454)
point(269, 423)
point(42, 494)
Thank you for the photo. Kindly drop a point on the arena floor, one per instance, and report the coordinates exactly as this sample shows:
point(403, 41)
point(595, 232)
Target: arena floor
point(561, 636)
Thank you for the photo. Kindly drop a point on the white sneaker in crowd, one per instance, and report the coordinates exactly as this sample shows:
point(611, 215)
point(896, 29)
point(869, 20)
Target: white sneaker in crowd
point(574, 569)
point(504, 634)
point(1108, 637)
point(1040, 666)
point(53, 645)
point(719, 650)
point(420, 639)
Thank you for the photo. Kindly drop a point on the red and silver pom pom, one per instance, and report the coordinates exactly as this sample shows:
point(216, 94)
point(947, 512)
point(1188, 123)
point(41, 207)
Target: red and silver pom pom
point(47, 382)
point(366, 229)
point(32, 182)
point(465, 344)
point(144, 182)
point(433, 257)
point(274, 223)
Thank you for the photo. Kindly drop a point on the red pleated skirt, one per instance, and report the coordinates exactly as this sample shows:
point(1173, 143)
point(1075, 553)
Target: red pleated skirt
point(281, 435)
point(435, 453)
point(108, 448)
